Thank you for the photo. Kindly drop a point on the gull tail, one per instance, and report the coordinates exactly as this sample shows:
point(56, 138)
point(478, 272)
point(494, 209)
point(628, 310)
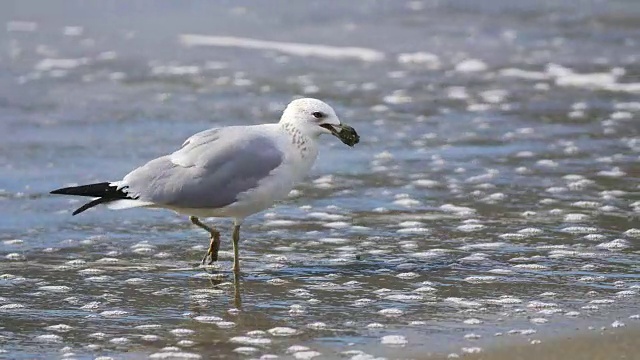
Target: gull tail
point(103, 192)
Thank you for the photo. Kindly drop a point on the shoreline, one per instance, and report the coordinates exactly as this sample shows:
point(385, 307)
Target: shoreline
point(609, 344)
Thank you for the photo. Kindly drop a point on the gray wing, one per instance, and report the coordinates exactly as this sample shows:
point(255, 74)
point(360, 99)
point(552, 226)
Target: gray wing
point(210, 170)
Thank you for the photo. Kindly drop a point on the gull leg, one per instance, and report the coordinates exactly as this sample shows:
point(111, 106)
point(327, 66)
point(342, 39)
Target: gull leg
point(214, 245)
point(237, 299)
point(236, 256)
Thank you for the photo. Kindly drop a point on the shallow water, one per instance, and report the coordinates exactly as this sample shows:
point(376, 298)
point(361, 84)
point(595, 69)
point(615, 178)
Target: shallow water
point(494, 191)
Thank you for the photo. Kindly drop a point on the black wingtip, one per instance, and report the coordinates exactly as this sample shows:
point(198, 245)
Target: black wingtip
point(91, 204)
point(104, 192)
point(103, 189)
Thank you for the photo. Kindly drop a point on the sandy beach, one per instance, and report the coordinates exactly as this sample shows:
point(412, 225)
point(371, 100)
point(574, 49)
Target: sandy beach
point(621, 343)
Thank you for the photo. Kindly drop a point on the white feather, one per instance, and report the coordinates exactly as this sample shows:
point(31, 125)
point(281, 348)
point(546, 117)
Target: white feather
point(127, 204)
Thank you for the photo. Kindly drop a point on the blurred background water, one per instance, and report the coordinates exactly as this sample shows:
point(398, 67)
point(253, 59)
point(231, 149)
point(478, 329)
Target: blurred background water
point(494, 192)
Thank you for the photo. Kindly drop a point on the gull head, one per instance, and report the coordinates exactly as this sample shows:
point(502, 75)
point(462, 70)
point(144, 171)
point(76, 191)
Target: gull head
point(313, 118)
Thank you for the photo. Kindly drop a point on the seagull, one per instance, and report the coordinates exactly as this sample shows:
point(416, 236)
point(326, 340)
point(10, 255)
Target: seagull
point(228, 172)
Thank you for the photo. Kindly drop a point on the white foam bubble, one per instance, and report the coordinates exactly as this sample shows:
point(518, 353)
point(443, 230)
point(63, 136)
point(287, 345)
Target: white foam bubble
point(407, 202)
point(626, 293)
point(21, 26)
point(114, 313)
point(408, 275)
point(297, 310)
point(618, 324)
point(539, 320)
point(55, 288)
point(280, 223)
point(150, 338)
point(49, 338)
point(175, 70)
point(120, 341)
point(73, 30)
point(296, 348)
point(541, 305)
point(97, 335)
point(13, 306)
point(317, 325)
point(471, 350)
point(471, 65)
point(428, 60)
point(182, 332)
point(462, 302)
point(426, 183)
point(268, 357)
point(523, 74)
point(282, 331)
point(403, 297)
point(635, 233)
point(478, 279)
point(580, 230)
point(413, 230)
point(174, 355)
point(337, 225)
point(615, 245)
point(394, 340)
point(391, 312)
point(470, 227)
point(362, 302)
point(303, 355)
point(148, 327)
point(59, 328)
point(530, 266)
point(484, 246)
point(326, 216)
point(246, 340)
point(66, 64)
point(13, 242)
point(458, 210)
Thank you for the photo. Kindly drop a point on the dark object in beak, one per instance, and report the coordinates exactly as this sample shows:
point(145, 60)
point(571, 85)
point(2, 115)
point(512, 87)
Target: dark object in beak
point(345, 133)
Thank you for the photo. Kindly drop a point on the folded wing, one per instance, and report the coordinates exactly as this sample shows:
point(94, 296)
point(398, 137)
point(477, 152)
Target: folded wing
point(210, 170)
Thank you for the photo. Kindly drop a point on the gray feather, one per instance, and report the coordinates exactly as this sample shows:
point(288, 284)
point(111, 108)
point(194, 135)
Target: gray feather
point(210, 170)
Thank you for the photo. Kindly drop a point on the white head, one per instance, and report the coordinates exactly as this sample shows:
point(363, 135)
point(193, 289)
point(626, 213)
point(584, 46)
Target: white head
point(313, 118)
point(309, 115)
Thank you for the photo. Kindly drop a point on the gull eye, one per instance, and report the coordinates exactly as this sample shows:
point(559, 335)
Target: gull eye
point(317, 115)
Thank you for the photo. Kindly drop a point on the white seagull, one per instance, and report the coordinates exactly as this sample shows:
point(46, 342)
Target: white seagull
point(229, 172)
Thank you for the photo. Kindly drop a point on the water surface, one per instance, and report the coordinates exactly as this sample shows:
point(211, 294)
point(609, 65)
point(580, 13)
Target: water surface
point(494, 191)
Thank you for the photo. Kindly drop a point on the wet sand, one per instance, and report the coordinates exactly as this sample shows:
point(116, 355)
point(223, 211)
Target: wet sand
point(621, 343)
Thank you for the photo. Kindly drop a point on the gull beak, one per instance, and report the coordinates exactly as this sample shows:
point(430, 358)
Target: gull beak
point(345, 133)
